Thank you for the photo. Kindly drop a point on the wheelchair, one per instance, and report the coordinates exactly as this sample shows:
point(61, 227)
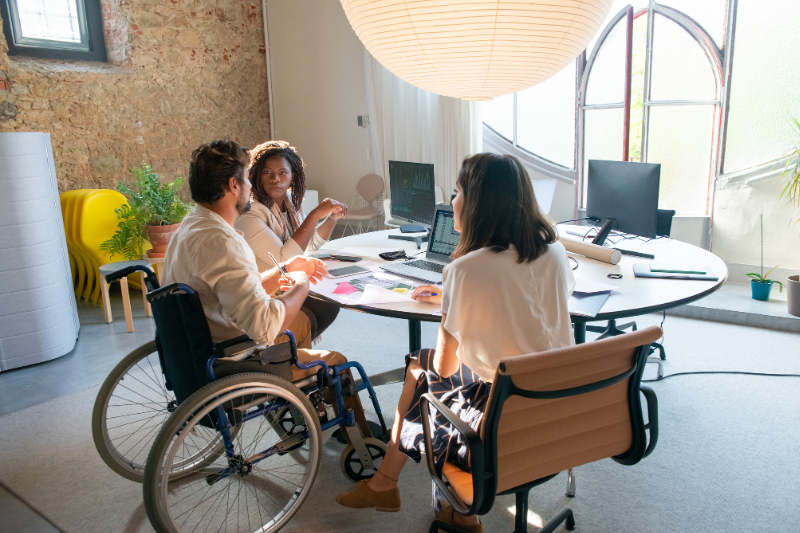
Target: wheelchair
point(238, 453)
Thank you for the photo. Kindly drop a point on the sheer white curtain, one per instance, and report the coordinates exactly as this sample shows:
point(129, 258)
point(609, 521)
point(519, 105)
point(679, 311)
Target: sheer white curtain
point(411, 124)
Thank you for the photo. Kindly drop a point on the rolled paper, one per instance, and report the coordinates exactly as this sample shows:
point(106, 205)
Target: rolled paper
point(592, 251)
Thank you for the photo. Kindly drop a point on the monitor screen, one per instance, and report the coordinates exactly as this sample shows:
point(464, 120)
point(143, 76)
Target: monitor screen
point(627, 192)
point(412, 187)
point(444, 237)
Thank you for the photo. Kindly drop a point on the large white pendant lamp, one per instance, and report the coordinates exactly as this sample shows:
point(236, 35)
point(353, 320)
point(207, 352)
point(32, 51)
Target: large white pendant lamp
point(473, 49)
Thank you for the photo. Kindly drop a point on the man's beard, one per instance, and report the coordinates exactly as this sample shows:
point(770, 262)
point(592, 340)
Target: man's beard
point(243, 205)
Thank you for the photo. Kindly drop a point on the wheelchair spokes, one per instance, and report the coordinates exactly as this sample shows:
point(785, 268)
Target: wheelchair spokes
point(258, 486)
point(131, 407)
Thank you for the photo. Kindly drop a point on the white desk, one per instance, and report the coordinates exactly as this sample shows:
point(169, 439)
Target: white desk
point(635, 296)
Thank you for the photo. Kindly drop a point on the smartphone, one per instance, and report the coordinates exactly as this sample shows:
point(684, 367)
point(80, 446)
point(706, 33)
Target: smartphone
point(346, 258)
point(346, 271)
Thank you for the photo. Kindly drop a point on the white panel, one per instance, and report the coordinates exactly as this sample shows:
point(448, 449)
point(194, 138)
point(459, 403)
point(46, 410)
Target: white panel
point(38, 315)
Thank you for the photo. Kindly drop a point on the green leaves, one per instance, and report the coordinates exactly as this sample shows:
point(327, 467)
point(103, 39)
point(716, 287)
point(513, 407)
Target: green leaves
point(791, 172)
point(127, 241)
point(156, 201)
point(758, 278)
point(152, 203)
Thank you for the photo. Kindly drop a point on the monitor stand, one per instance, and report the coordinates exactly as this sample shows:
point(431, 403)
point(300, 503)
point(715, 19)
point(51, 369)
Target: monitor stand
point(605, 229)
point(419, 239)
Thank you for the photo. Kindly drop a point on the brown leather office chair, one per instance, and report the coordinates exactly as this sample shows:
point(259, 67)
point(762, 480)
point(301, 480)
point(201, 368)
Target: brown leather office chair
point(549, 412)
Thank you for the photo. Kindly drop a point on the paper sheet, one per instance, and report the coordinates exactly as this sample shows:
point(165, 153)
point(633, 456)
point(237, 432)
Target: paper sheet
point(584, 286)
point(587, 304)
point(374, 295)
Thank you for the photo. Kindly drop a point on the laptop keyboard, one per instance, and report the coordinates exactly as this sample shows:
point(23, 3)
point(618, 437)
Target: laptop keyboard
point(426, 265)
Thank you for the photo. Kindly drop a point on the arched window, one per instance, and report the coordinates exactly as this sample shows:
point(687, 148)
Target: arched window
point(663, 70)
point(660, 84)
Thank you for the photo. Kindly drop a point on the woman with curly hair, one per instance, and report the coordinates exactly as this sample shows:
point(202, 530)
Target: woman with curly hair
point(275, 222)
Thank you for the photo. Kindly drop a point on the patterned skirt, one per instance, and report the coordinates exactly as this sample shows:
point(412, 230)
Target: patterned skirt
point(465, 394)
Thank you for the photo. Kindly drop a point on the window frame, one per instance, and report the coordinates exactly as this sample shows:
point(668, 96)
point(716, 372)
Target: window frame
point(90, 48)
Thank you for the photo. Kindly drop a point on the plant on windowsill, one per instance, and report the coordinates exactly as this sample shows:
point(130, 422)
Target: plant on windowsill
point(154, 212)
point(761, 286)
point(791, 191)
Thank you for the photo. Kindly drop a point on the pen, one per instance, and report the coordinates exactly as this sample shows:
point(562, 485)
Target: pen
point(280, 268)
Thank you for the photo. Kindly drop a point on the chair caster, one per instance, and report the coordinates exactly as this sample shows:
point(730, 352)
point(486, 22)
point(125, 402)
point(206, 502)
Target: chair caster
point(351, 465)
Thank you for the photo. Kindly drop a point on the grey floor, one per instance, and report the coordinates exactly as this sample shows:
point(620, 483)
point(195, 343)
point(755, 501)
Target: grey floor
point(380, 343)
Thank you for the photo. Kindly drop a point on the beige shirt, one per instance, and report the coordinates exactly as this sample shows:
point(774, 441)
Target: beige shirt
point(210, 256)
point(267, 231)
point(496, 307)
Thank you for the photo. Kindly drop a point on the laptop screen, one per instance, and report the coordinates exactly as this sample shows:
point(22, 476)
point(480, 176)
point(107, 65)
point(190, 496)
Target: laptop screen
point(444, 238)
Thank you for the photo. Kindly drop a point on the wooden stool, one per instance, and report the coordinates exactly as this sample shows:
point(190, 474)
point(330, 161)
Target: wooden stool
point(123, 283)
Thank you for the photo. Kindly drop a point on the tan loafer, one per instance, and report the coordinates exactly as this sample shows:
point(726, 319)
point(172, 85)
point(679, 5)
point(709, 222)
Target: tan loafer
point(387, 501)
point(447, 516)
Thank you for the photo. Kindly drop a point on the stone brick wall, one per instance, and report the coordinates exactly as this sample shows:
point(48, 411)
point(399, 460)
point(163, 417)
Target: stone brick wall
point(179, 73)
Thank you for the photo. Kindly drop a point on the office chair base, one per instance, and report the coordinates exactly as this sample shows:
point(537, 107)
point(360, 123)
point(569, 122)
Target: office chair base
point(612, 330)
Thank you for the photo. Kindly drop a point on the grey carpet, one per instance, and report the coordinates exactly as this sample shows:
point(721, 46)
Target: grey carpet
point(726, 461)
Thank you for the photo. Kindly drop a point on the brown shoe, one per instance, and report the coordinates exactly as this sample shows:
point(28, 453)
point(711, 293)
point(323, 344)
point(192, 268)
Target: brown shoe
point(387, 501)
point(447, 516)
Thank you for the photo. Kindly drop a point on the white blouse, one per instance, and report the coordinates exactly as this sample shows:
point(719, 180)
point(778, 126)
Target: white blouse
point(496, 307)
point(261, 227)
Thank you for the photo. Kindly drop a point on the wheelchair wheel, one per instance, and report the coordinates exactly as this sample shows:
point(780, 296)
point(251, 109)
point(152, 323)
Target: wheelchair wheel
point(351, 464)
point(129, 410)
point(259, 484)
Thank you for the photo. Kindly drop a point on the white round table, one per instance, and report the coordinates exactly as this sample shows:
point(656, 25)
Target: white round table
point(634, 296)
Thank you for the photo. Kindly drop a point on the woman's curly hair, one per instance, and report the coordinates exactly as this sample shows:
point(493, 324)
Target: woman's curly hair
point(264, 151)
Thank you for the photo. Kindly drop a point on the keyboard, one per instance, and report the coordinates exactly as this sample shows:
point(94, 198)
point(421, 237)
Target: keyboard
point(426, 265)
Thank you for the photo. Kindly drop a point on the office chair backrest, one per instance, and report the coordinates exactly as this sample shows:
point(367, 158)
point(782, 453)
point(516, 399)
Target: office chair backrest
point(595, 416)
point(183, 339)
point(664, 222)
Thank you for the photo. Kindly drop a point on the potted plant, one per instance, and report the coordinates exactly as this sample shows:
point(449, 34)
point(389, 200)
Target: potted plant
point(791, 191)
point(154, 212)
point(761, 286)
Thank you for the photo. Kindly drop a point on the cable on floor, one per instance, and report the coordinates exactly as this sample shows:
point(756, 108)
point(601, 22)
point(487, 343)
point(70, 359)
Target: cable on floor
point(733, 372)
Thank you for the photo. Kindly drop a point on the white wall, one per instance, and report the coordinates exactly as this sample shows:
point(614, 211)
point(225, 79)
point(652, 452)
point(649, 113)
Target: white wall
point(318, 92)
point(736, 232)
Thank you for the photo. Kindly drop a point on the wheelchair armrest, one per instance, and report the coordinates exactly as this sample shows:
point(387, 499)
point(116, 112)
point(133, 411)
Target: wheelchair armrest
point(652, 417)
point(150, 278)
point(474, 444)
point(233, 346)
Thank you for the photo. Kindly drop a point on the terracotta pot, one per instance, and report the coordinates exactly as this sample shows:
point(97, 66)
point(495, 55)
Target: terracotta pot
point(793, 294)
point(159, 236)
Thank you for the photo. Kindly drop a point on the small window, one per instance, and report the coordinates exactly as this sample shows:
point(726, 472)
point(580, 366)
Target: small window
point(54, 29)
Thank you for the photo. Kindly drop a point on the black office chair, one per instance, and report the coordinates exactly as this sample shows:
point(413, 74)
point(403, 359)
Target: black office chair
point(663, 229)
point(547, 414)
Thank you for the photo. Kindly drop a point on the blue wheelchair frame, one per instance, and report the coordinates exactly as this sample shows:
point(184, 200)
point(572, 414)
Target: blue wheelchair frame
point(325, 378)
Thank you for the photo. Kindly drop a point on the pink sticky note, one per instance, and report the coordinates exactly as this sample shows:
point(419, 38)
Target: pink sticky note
point(344, 288)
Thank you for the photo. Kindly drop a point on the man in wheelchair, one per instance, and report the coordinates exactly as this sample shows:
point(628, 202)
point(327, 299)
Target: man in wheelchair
point(213, 258)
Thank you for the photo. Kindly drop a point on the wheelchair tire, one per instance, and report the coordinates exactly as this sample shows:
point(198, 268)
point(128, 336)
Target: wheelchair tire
point(351, 464)
point(138, 408)
point(250, 492)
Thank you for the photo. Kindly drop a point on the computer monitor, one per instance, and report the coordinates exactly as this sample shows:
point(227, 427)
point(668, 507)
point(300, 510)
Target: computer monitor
point(413, 191)
point(626, 193)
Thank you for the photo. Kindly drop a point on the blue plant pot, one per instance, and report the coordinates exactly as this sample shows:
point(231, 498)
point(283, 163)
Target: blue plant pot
point(761, 290)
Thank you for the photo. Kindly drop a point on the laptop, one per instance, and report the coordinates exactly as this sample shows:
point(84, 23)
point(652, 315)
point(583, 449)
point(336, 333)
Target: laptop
point(441, 245)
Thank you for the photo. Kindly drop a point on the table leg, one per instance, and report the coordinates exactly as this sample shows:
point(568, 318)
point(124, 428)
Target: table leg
point(580, 332)
point(126, 303)
point(147, 310)
point(106, 299)
point(414, 335)
point(414, 344)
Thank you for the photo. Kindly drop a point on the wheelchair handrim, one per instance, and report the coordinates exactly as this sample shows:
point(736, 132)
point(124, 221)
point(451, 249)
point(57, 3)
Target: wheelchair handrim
point(165, 475)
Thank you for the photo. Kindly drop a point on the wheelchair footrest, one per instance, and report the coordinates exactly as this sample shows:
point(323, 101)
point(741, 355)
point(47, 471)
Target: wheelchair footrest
point(290, 443)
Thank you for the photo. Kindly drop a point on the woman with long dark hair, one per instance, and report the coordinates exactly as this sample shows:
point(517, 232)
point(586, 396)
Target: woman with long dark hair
point(275, 223)
point(504, 294)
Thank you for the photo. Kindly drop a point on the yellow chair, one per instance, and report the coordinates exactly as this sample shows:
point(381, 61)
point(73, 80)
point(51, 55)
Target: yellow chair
point(98, 223)
point(71, 223)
